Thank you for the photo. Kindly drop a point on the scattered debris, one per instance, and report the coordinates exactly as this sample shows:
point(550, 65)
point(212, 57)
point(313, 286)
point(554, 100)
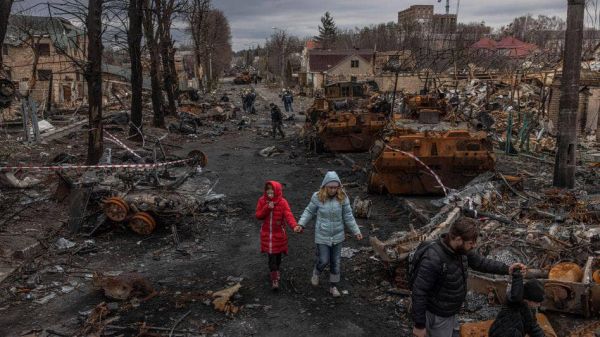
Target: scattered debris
point(222, 300)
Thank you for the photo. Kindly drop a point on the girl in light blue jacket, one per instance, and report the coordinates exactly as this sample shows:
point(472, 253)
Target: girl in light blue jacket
point(333, 212)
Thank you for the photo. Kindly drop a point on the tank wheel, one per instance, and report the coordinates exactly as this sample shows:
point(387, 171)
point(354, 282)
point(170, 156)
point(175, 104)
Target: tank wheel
point(116, 209)
point(200, 157)
point(142, 223)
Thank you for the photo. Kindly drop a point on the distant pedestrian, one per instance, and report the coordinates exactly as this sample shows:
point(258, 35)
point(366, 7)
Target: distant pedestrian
point(275, 212)
point(225, 98)
point(276, 120)
point(331, 208)
point(288, 99)
point(251, 101)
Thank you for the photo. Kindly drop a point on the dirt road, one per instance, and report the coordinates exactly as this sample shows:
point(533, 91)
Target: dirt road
point(221, 248)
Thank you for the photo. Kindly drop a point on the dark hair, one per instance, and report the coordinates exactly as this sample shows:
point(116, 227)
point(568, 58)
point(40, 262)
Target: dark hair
point(465, 228)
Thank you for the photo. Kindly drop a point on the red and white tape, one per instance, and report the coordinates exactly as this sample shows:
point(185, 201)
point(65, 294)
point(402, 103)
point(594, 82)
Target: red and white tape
point(439, 181)
point(120, 143)
point(132, 167)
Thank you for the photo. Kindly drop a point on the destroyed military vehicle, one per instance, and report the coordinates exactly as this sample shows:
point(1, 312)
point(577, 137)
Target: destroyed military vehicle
point(348, 118)
point(420, 153)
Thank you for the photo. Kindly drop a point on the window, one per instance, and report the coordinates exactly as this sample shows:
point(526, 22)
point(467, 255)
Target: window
point(44, 74)
point(43, 49)
point(4, 49)
point(354, 64)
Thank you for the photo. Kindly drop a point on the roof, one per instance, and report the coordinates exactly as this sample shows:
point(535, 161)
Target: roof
point(323, 60)
point(62, 32)
point(125, 73)
point(509, 46)
point(485, 43)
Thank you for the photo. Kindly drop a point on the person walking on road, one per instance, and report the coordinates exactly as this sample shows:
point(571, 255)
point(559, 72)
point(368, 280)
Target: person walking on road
point(331, 208)
point(275, 212)
point(276, 120)
point(288, 99)
point(439, 278)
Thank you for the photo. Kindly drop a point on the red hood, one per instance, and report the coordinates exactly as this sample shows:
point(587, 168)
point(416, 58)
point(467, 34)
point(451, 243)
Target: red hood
point(277, 188)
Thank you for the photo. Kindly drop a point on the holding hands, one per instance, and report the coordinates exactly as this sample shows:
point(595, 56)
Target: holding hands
point(298, 229)
point(520, 266)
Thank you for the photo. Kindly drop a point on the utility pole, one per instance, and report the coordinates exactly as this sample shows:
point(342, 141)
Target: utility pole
point(564, 168)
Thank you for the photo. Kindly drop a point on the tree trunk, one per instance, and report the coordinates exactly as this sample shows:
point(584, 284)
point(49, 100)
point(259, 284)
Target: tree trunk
point(5, 7)
point(565, 165)
point(134, 39)
point(151, 42)
point(94, 80)
point(169, 81)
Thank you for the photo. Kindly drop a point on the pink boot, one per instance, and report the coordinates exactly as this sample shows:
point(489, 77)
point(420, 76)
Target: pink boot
point(275, 280)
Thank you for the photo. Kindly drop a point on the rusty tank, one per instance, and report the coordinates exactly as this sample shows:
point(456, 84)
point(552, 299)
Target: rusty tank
point(349, 118)
point(243, 78)
point(422, 154)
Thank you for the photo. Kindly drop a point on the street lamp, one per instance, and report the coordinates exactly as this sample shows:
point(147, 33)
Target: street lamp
point(282, 56)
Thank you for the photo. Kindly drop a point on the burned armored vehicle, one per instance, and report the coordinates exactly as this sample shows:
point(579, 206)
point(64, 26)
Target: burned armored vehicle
point(422, 151)
point(347, 118)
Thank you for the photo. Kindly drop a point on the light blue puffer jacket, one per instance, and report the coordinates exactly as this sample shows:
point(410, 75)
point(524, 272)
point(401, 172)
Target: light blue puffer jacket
point(331, 216)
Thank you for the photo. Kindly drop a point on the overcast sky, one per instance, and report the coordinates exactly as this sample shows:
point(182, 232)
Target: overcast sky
point(252, 20)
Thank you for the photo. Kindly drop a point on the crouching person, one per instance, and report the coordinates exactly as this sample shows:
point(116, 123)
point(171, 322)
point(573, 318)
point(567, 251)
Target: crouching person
point(517, 317)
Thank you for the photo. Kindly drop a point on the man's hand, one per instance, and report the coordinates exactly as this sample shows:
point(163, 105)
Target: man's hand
point(271, 205)
point(517, 266)
point(359, 236)
point(298, 229)
point(419, 332)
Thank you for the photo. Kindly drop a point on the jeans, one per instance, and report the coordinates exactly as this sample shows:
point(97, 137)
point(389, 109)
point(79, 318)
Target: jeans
point(329, 255)
point(288, 107)
point(437, 326)
point(277, 127)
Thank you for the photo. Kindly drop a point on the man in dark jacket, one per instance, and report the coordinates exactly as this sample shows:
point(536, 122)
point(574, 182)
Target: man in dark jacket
point(276, 120)
point(517, 319)
point(440, 285)
point(288, 99)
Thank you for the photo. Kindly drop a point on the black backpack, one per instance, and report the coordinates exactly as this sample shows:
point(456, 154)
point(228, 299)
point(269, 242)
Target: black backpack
point(414, 260)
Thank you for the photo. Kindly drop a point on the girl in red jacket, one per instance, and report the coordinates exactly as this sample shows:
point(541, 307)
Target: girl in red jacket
point(275, 212)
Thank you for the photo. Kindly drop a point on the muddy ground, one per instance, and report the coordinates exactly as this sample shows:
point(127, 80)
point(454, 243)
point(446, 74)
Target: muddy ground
point(219, 247)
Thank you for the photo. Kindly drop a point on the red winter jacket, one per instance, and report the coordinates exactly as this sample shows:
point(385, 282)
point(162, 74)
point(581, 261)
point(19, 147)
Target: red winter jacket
point(273, 237)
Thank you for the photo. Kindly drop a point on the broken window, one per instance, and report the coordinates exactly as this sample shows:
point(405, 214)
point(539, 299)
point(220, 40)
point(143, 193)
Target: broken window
point(43, 49)
point(354, 64)
point(4, 49)
point(44, 74)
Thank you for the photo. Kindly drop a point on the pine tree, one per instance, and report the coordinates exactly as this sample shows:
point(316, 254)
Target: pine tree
point(327, 32)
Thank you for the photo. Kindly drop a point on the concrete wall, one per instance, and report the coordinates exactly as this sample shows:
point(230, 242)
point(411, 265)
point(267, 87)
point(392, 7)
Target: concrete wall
point(406, 83)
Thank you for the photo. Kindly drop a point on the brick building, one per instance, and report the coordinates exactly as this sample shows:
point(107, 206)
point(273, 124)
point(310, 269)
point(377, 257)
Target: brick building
point(60, 46)
point(437, 30)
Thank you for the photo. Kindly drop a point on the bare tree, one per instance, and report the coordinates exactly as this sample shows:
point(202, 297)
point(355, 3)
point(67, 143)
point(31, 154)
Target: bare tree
point(94, 80)
point(212, 39)
point(152, 36)
point(197, 16)
point(134, 39)
point(28, 30)
point(5, 7)
point(166, 11)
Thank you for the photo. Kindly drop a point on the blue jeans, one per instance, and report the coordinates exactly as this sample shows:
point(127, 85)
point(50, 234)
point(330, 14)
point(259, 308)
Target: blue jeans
point(288, 107)
point(329, 255)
